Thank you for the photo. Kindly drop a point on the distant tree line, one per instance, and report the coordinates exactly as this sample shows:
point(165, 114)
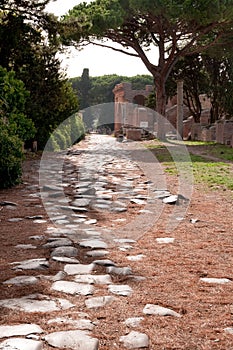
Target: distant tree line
point(94, 91)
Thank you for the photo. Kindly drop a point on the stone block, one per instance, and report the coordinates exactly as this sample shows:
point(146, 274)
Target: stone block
point(134, 134)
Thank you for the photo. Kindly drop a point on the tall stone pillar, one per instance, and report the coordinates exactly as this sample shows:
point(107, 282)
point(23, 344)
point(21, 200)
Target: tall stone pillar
point(180, 109)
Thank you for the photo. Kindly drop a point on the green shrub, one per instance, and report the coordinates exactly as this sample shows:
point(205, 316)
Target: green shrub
point(69, 132)
point(11, 156)
point(15, 127)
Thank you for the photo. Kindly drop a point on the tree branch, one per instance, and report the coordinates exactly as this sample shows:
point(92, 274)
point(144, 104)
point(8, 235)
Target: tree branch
point(113, 48)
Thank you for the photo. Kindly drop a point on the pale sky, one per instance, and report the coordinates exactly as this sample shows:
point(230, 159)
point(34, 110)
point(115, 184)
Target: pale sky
point(100, 61)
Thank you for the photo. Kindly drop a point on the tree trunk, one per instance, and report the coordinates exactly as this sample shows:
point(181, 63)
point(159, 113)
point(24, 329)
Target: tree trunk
point(161, 107)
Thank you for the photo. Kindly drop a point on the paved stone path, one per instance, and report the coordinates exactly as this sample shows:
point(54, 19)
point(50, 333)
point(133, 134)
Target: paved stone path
point(101, 178)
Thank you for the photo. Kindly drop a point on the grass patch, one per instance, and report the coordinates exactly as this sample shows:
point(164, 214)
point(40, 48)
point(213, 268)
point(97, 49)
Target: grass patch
point(214, 174)
point(212, 149)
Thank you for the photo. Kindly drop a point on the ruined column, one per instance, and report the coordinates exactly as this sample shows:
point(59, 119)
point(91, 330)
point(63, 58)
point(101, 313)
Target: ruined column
point(180, 109)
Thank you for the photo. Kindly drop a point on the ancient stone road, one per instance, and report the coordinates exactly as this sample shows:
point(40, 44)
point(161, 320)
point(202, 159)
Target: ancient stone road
point(101, 177)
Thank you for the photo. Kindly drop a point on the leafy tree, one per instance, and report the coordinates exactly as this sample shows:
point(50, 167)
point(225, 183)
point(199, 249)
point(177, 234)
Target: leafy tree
point(15, 127)
point(220, 75)
point(175, 28)
point(30, 47)
point(84, 87)
point(191, 70)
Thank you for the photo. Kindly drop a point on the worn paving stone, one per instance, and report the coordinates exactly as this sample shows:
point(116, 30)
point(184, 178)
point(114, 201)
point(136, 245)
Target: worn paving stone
point(120, 289)
point(81, 202)
point(101, 301)
point(171, 199)
point(60, 242)
point(165, 240)
point(93, 279)
point(215, 280)
point(77, 324)
point(31, 264)
point(97, 253)
point(26, 246)
point(79, 269)
point(124, 240)
point(135, 340)
point(73, 287)
point(229, 330)
point(22, 280)
point(65, 260)
point(39, 221)
point(75, 339)
point(93, 243)
point(21, 329)
point(104, 262)
point(15, 219)
point(136, 257)
point(91, 222)
point(36, 303)
point(151, 309)
point(65, 251)
point(121, 271)
point(60, 275)
point(73, 208)
point(133, 321)
point(21, 344)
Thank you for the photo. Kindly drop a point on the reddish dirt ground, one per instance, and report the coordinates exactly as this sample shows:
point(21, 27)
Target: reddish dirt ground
point(172, 272)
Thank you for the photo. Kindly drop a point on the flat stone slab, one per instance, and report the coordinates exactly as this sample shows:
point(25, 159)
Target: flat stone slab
point(122, 271)
point(171, 199)
point(73, 208)
point(26, 246)
point(93, 279)
point(15, 219)
point(215, 280)
point(97, 253)
point(73, 287)
point(90, 222)
point(75, 339)
point(120, 289)
point(22, 280)
point(31, 264)
point(104, 262)
point(93, 243)
point(151, 309)
point(135, 340)
point(66, 260)
point(124, 240)
point(96, 302)
point(136, 257)
point(81, 202)
point(133, 321)
point(39, 221)
point(79, 269)
point(21, 344)
point(165, 240)
point(138, 201)
point(65, 251)
point(36, 303)
point(60, 242)
point(52, 188)
point(21, 329)
point(229, 330)
point(77, 324)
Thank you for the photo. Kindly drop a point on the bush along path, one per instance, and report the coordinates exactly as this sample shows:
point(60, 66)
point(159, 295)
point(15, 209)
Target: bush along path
point(74, 278)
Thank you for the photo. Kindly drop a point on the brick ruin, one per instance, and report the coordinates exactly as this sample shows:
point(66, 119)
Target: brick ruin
point(130, 111)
